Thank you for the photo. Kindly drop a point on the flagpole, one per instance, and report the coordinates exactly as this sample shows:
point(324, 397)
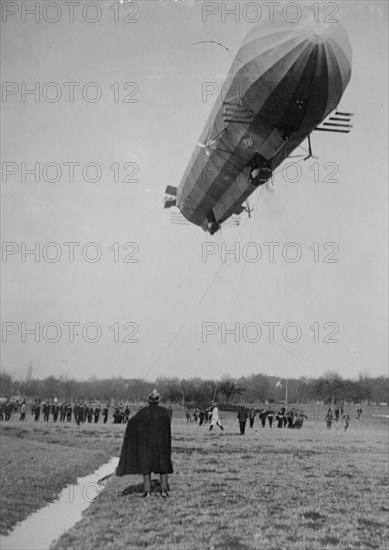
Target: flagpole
point(286, 393)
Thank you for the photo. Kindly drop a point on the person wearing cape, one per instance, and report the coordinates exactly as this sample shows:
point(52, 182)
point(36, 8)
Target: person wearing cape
point(146, 445)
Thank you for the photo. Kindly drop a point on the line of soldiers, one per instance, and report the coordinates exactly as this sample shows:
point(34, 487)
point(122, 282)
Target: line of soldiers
point(286, 418)
point(200, 416)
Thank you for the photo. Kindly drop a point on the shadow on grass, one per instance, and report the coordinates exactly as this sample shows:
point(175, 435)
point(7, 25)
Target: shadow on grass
point(138, 488)
point(132, 490)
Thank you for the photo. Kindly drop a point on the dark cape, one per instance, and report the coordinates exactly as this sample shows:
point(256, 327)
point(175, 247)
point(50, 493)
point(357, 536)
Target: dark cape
point(146, 446)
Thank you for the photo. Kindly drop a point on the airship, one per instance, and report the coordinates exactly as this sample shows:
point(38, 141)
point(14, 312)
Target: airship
point(285, 82)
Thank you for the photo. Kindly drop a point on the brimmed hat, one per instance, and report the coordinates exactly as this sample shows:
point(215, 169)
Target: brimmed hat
point(153, 397)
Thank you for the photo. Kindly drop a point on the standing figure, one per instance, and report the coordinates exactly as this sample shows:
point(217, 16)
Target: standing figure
point(251, 417)
point(37, 412)
point(242, 418)
point(187, 415)
point(215, 421)
point(170, 412)
point(280, 417)
point(68, 413)
point(78, 413)
point(359, 412)
point(201, 416)
point(8, 410)
point(127, 413)
point(270, 417)
point(329, 418)
point(196, 415)
point(96, 413)
point(46, 411)
point(146, 446)
point(23, 412)
point(346, 420)
point(105, 414)
point(262, 417)
point(55, 412)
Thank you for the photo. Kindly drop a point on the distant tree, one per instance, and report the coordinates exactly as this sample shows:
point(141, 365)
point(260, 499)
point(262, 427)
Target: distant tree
point(330, 387)
point(230, 388)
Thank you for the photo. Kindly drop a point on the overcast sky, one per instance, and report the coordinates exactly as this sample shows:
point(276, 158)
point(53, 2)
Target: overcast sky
point(168, 295)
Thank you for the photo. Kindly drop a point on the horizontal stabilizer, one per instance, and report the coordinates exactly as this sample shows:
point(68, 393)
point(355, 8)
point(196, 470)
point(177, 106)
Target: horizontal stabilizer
point(170, 190)
point(168, 202)
point(337, 122)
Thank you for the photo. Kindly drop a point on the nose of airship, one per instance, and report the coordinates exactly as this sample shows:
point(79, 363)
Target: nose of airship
point(305, 62)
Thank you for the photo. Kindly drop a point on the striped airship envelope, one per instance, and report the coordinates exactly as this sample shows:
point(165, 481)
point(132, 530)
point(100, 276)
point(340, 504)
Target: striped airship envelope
point(284, 81)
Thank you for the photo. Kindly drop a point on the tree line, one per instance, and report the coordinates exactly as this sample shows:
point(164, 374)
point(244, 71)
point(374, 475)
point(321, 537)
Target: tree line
point(330, 387)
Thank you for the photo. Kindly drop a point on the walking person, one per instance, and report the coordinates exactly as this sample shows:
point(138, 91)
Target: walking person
point(215, 420)
point(23, 412)
point(329, 418)
point(251, 417)
point(270, 417)
point(346, 420)
point(242, 418)
point(37, 412)
point(105, 414)
point(146, 446)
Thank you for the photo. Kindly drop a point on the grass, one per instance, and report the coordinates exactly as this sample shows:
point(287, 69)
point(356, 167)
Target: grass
point(269, 490)
point(38, 460)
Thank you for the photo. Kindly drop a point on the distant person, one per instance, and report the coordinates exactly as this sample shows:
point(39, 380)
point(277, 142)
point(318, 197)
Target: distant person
point(188, 415)
point(242, 419)
point(46, 411)
point(8, 410)
point(97, 413)
point(346, 420)
point(270, 417)
point(337, 413)
point(201, 416)
point(215, 420)
point(127, 413)
point(280, 417)
point(329, 418)
point(69, 411)
point(23, 412)
point(170, 412)
point(251, 417)
point(359, 412)
point(105, 414)
point(37, 412)
point(146, 446)
point(262, 417)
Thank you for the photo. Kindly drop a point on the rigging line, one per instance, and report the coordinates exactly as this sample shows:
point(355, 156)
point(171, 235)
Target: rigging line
point(211, 42)
point(286, 349)
point(191, 312)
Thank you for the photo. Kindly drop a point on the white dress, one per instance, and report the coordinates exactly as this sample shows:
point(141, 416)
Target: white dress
point(215, 417)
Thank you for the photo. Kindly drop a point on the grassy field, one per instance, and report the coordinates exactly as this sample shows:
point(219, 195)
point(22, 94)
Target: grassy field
point(38, 460)
point(268, 490)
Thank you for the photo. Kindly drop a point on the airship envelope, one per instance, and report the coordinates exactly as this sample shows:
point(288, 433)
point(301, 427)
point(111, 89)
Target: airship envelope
point(285, 80)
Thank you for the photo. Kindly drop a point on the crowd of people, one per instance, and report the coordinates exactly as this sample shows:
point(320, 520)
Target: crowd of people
point(292, 417)
point(78, 412)
point(339, 414)
point(81, 412)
